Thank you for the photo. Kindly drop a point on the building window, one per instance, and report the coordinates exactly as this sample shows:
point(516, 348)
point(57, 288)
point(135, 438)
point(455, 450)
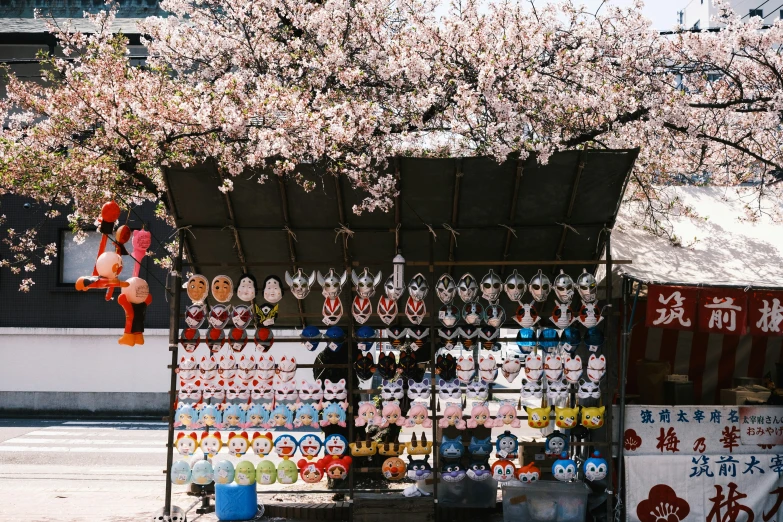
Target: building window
point(78, 260)
point(756, 12)
point(681, 17)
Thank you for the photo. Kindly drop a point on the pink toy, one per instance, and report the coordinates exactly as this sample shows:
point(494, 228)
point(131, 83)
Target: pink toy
point(418, 415)
point(479, 416)
point(368, 414)
point(452, 416)
point(141, 241)
point(507, 416)
point(391, 415)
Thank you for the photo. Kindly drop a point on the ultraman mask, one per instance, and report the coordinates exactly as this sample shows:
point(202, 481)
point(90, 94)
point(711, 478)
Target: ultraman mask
point(392, 292)
point(539, 287)
point(515, 286)
point(299, 284)
point(418, 287)
point(467, 288)
point(564, 287)
point(587, 287)
point(446, 288)
point(365, 283)
point(491, 284)
point(331, 283)
point(387, 309)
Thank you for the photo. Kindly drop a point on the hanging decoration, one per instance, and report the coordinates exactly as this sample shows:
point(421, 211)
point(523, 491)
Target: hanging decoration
point(491, 286)
point(467, 288)
point(526, 315)
point(446, 289)
point(539, 287)
point(300, 283)
point(515, 286)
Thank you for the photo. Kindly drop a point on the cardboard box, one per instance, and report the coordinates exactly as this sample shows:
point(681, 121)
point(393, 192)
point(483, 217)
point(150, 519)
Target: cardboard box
point(738, 396)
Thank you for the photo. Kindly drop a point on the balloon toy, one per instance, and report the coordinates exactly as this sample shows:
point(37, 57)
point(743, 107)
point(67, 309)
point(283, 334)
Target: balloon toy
point(503, 470)
point(202, 473)
point(593, 418)
point(528, 473)
point(311, 472)
point(142, 240)
point(266, 473)
point(507, 445)
point(452, 471)
point(479, 470)
point(245, 473)
point(556, 443)
point(287, 472)
point(595, 468)
point(394, 469)
point(180, 473)
point(108, 267)
point(419, 469)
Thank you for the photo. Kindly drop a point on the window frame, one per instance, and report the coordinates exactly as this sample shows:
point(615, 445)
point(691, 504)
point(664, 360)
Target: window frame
point(61, 232)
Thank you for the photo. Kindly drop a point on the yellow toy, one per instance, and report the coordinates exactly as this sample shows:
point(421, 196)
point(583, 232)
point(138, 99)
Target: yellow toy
point(538, 417)
point(363, 448)
point(421, 447)
point(391, 449)
point(593, 418)
point(566, 417)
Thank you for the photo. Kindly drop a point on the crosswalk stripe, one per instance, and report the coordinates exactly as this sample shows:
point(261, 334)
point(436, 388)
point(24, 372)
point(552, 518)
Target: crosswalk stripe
point(68, 449)
point(35, 440)
point(115, 423)
point(109, 433)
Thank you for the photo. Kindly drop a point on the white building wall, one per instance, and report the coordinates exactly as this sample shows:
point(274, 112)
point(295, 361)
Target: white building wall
point(703, 11)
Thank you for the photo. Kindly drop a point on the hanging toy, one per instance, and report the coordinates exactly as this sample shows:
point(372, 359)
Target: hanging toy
point(223, 472)
point(245, 473)
point(564, 469)
point(281, 416)
point(394, 469)
point(335, 445)
point(266, 367)
point(548, 339)
point(387, 309)
point(300, 283)
point(335, 337)
point(238, 444)
point(466, 335)
point(539, 287)
point(391, 415)
point(566, 417)
point(310, 336)
point(572, 369)
point(261, 443)
point(227, 367)
point(333, 413)
point(361, 309)
point(267, 313)
point(596, 368)
point(477, 391)
point(503, 470)
point(511, 367)
point(419, 469)
point(108, 267)
point(209, 416)
point(465, 368)
point(488, 368)
point(418, 415)
point(190, 339)
point(531, 390)
point(364, 366)
point(452, 416)
point(557, 392)
point(472, 312)
point(590, 315)
point(364, 336)
point(491, 285)
point(210, 443)
point(480, 449)
point(555, 444)
point(222, 290)
point(365, 283)
point(593, 418)
point(448, 315)
point(446, 366)
point(588, 390)
point(273, 290)
point(266, 473)
point(479, 470)
point(507, 445)
point(311, 472)
point(415, 310)
point(467, 288)
point(337, 468)
point(420, 447)
point(529, 473)
point(134, 298)
point(335, 391)
point(526, 315)
point(186, 443)
point(507, 415)
point(387, 305)
point(595, 468)
point(185, 415)
point(187, 369)
point(310, 391)
point(180, 473)
point(538, 417)
point(515, 286)
point(446, 289)
point(587, 287)
point(397, 334)
point(479, 416)
point(392, 390)
point(419, 391)
point(285, 446)
point(310, 446)
point(452, 471)
point(246, 368)
point(534, 367)
point(237, 337)
point(451, 448)
point(287, 472)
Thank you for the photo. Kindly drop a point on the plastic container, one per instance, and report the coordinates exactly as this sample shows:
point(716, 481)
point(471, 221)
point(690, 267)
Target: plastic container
point(235, 502)
point(468, 493)
point(546, 501)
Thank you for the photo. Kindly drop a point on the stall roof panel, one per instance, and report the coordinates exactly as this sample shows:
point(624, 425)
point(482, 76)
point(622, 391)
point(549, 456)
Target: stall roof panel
point(517, 210)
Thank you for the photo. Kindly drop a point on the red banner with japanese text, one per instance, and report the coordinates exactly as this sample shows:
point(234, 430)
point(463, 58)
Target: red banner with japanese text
point(723, 311)
point(765, 313)
point(672, 307)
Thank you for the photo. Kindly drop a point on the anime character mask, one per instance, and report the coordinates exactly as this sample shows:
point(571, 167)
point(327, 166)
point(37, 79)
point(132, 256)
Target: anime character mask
point(556, 443)
point(246, 288)
point(332, 311)
point(529, 473)
point(480, 448)
point(564, 287)
point(479, 470)
point(539, 287)
point(211, 443)
point(310, 336)
point(590, 315)
point(507, 445)
point(593, 418)
point(202, 473)
point(515, 286)
point(446, 289)
point(394, 469)
point(596, 367)
point(491, 285)
point(365, 283)
point(335, 445)
point(419, 391)
point(419, 469)
point(266, 474)
point(311, 472)
point(418, 288)
point(465, 368)
point(180, 472)
point(449, 391)
point(392, 293)
point(365, 448)
point(564, 469)
point(526, 316)
point(511, 367)
point(300, 283)
point(557, 392)
point(595, 468)
point(285, 446)
point(331, 283)
point(562, 317)
point(473, 312)
point(420, 447)
point(587, 287)
point(186, 443)
point(361, 309)
point(566, 417)
point(222, 289)
point(337, 469)
point(387, 309)
point(415, 310)
point(572, 368)
point(238, 444)
point(467, 288)
point(538, 417)
point(262, 444)
point(503, 470)
point(310, 445)
point(495, 315)
point(197, 288)
point(287, 472)
point(451, 448)
point(452, 472)
point(448, 315)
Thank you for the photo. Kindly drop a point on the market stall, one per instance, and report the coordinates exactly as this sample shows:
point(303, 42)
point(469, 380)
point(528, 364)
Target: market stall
point(432, 334)
point(701, 347)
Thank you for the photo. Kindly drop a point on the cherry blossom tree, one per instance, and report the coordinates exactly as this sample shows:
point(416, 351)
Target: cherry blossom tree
point(261, 86)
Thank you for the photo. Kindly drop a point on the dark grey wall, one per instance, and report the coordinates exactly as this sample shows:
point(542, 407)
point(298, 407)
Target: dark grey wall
point(52, 304)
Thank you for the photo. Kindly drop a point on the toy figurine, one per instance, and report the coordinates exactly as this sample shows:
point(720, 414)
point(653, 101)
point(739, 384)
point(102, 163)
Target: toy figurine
point(394, 469)
point(503, 470)
point(262, 444)
point(266, 473)
point(134, 298)
point(285, 446)
point(564, 469)
point(595, 468)
point(238, 443)
point(287, 472)
point(528, 473)
point(245, 473)
point(311, 472)
point(223, 472)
